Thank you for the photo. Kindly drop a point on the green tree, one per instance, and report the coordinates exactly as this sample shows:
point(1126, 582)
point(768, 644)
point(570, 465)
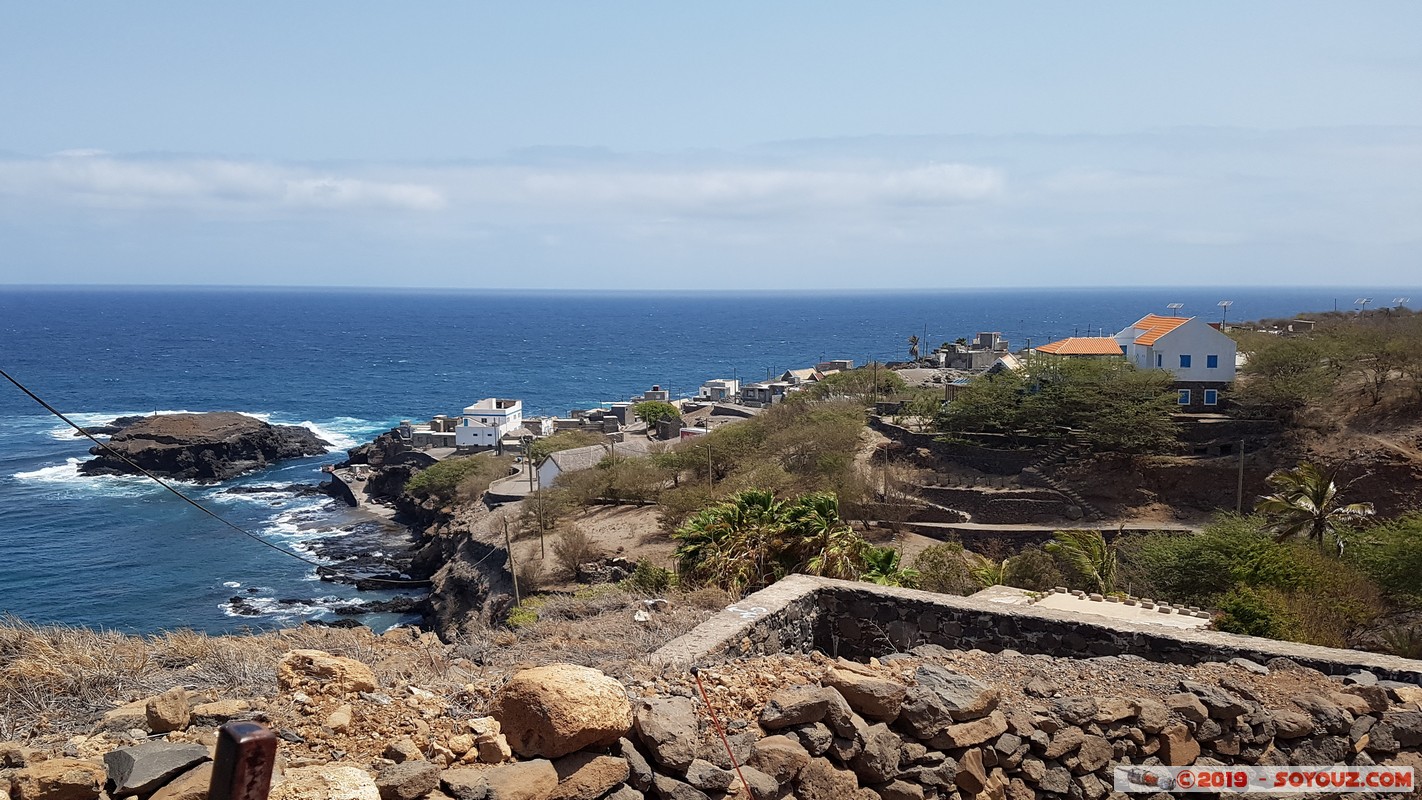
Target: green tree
point(913, 347)
point(655, 411)
point(464, 478)
point(1391, 554)
point(562, 440)
point(859, 384)
point(1282, 375)
point(1306, 503)
point(1118, 407)
point(1086, 554)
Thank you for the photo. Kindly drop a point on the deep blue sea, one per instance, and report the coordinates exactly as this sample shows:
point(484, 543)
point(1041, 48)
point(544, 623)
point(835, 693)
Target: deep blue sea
point(121, 553)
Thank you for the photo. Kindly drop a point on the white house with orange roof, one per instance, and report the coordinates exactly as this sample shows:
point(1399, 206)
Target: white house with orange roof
point(1199, 356)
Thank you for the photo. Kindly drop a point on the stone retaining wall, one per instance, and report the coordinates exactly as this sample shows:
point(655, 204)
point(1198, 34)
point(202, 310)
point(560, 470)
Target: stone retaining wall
point(984, 459)
point(859, 621)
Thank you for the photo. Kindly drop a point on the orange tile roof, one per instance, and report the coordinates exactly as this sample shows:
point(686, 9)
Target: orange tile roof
point(1083, 346)
point(1155, 327)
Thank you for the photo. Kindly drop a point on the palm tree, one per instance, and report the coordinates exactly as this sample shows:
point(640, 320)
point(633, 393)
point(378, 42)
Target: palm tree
point(823, 544)
point(732, 543)
point(884, 566)
point(1087, 554)
point(986, 571)
point(913, 347)
point(1306, 503)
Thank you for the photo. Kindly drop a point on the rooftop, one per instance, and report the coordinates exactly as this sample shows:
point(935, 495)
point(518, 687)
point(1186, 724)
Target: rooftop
point(1083, 346)
point(1153, 327)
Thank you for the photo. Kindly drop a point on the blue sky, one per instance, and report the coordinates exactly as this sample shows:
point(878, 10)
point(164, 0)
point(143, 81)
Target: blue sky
point(728, 145)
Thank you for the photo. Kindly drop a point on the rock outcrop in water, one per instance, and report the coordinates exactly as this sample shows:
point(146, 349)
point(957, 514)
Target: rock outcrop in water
point(202, 447)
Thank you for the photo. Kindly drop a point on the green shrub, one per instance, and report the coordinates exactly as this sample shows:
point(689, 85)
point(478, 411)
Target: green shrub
point(1391, 554)
point(1252, 613)
point(1033, 569)
point(649, 578)
point(943, 568)
point(462, 477)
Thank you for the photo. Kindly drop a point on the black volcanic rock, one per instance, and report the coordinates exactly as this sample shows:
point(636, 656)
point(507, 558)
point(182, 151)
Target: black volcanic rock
point(111, 428)
point(202, 447)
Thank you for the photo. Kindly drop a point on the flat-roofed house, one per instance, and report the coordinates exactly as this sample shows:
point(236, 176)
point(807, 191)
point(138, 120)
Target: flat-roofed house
point(486, 422)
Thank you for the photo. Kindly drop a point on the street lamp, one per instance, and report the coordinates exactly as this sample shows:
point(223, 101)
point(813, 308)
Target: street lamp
point(1224, 304)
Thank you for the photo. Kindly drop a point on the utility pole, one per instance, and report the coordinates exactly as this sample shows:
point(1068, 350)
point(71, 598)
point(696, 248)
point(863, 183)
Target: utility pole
point(1239, 488)
point(513, 566)
point(708, 465)
point(886, 472)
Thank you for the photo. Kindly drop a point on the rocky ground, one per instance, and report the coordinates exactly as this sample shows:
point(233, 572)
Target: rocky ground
point(402, 717)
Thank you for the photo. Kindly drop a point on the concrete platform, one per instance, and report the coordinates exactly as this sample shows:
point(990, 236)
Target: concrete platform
point(1070, 603)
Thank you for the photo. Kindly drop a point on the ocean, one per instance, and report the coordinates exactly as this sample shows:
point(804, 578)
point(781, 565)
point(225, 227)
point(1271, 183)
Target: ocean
point(122, 554)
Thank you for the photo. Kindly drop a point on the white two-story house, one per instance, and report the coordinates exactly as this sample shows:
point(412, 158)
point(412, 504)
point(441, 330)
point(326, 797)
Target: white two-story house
point(1199, 356)
point(486, 422)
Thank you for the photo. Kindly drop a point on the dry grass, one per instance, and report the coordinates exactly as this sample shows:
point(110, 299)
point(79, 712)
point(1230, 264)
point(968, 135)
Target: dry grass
point(61, 679)
point(56, 681)
point(594, 627)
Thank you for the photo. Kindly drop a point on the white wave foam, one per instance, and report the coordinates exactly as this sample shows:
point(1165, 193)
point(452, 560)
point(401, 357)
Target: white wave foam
point(338, 441)
point(67, 475)
point(272, 608)
point(232, 584)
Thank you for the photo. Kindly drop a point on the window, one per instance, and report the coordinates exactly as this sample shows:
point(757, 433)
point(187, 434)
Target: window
point(1212, 397)
point(1212, 362)
point(1159, 360)
point(1184, 362)
point(1184, 397)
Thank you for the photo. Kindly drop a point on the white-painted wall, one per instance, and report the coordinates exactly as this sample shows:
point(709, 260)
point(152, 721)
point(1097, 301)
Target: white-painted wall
point(485, 422)
point(1194, 338)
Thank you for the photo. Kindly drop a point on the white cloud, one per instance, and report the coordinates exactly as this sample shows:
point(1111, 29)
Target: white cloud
point(759, 191)
point(92, 178)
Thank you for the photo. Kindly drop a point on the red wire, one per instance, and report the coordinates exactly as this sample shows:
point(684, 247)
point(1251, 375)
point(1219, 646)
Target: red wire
point(696, 673)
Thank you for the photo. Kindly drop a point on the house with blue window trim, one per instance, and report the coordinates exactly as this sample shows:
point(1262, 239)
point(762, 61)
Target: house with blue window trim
point(1196, 352)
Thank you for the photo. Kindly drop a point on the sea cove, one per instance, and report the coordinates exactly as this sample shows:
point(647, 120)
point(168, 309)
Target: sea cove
point(118, 552)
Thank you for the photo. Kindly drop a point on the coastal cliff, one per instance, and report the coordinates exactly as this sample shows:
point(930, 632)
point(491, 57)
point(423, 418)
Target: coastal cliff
point(207, 448)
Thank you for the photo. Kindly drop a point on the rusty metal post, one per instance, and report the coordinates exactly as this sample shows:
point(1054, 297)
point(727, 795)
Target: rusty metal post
point(242, 770)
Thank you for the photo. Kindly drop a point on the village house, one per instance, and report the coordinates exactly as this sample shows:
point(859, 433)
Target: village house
point(486, 422)
point(765, 393)
point(1083, 347)
point(975, 355)
point(799, 377)
point(720, 390)
point(1201, 358)
point(579, 458)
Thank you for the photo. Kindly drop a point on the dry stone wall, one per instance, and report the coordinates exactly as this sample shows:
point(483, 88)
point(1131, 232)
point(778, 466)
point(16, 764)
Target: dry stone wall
point(860, 621)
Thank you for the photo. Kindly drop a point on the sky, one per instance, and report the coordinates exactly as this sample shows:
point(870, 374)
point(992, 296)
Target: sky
point(732, 145)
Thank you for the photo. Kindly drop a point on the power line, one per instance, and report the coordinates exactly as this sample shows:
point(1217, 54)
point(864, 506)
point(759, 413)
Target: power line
point(320, 568)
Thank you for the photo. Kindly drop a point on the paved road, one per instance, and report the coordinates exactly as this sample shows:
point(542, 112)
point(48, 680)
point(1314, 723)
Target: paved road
point(1127, 526)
